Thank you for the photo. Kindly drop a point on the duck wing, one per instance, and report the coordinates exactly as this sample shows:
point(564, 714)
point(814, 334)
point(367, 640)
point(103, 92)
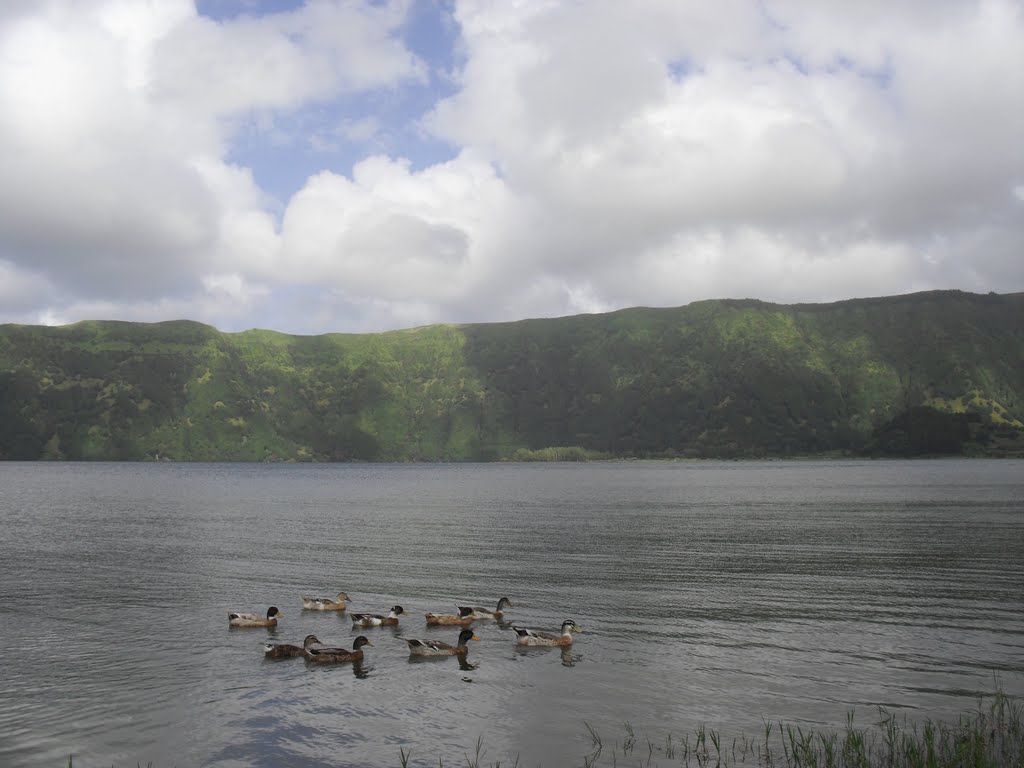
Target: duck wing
point(434, 645)
point(281, 650)
point(535, 634)
point(329, 652)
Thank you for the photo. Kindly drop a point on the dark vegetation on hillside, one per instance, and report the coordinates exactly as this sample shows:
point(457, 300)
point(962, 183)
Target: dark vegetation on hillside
point(938, 373)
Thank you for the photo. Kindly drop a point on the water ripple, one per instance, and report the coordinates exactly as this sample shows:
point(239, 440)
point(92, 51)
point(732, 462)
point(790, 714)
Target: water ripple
point(711, 593)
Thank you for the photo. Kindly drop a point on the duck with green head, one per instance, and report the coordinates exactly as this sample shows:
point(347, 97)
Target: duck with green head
point(437, 648)
point(336, 655)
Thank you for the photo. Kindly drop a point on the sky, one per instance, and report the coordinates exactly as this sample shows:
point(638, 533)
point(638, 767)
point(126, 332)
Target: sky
point(359, 166)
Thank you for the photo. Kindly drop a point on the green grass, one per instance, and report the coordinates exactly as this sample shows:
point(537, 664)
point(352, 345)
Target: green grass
point(990, 737)
point(558, 453)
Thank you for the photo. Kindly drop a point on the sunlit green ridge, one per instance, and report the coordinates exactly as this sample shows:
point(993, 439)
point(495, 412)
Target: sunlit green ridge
point(930, 373)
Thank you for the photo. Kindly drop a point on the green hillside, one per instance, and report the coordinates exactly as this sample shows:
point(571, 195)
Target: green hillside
point(930, 373)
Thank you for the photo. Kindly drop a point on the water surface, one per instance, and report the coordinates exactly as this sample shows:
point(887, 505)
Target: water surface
point(710, 593)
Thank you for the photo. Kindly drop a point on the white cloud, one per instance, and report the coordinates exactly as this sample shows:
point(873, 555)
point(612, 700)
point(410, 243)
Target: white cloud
point(281, 61)
point(93, 175)
point(115, 119)
point(392, 234)
point(779, 127)
point(619, 154)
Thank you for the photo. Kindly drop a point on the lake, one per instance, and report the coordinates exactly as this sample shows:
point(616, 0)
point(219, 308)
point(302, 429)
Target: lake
point(715, 593)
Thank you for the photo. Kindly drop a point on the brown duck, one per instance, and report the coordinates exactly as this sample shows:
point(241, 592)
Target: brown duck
point(286, 651)
point(335, 655)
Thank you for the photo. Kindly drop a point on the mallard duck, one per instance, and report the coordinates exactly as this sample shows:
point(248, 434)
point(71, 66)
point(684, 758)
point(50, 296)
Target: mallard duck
point(487, 613)
point(254, 619)
point(286, 651)
point(533, 637)
point(324, 603)
point(331, 655)
point(464, 617)
point(437, 648)
point(376, 620)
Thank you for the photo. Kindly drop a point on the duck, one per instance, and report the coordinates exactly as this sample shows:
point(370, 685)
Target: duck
point(487, 613)
point(324, 603)
point(331, 655)
point(464, 617)
point(254, 619)
point(533, 637)
point(437, 648)
point(287, 651)
point(376, 620)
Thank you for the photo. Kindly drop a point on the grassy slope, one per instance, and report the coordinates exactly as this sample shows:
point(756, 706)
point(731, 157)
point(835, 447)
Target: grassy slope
point(719, 378)
point(748, 378)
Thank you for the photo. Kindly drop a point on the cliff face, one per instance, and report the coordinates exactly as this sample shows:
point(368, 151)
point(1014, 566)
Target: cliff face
point(930, 373)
